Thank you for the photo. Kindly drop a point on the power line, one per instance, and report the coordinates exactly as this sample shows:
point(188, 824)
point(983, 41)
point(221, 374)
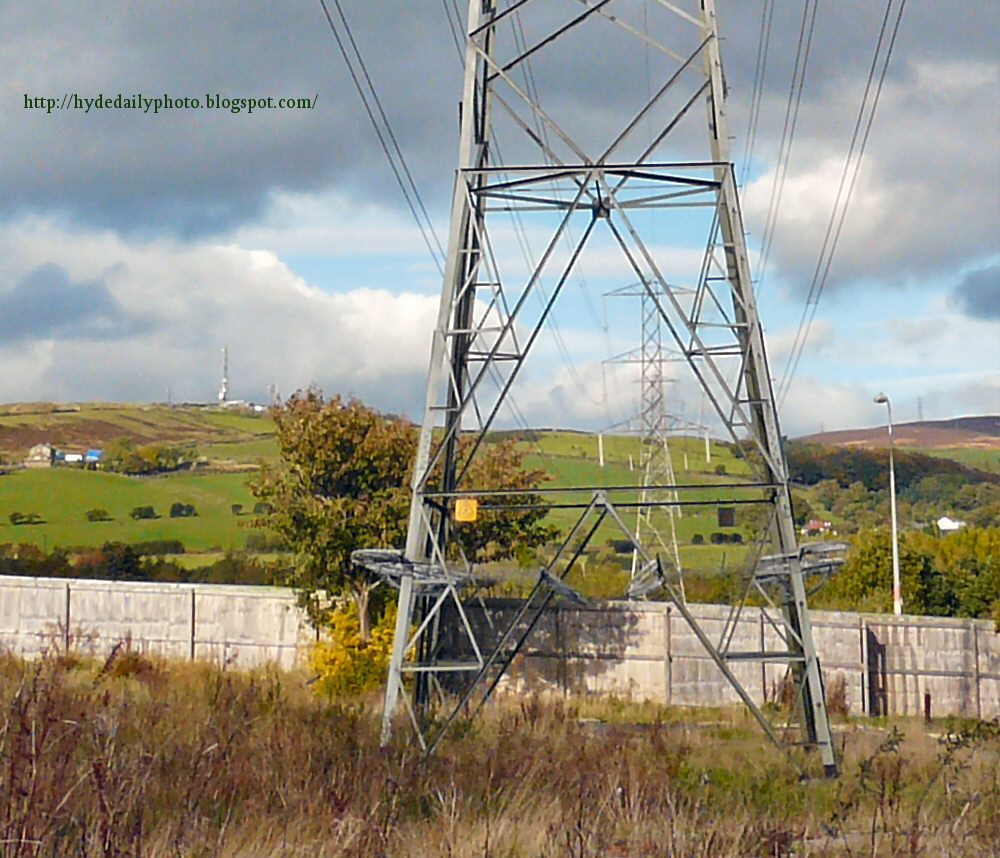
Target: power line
point(427, 232)
point(760, 71)
point(802, 51)
point(839, 212)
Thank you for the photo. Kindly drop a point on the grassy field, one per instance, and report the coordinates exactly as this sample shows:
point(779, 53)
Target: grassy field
point(139, 757)
point(981, 458)
point(62, 496)
point(80, 427)
point(571, 458)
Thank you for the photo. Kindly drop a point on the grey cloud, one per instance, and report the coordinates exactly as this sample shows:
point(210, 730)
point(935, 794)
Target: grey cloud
point(47, 304)
point(195, 172)
point(978, 295)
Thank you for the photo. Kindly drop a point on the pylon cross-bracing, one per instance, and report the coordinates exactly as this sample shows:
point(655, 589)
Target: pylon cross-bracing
point(586, 173)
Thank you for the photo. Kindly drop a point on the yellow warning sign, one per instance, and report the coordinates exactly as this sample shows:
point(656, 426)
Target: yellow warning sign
point(466, 509)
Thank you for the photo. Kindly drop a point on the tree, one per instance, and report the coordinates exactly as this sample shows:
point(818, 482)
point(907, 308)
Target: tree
point(142, 512)
point(499, 535)
point(97, 514)
point(342, 484)
point(122, 562)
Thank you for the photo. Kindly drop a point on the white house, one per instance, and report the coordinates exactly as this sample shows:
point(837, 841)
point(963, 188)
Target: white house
point(949, 525)
point(40, 456)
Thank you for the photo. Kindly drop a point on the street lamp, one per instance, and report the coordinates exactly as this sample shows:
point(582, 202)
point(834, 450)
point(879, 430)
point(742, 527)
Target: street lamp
point(897, 596)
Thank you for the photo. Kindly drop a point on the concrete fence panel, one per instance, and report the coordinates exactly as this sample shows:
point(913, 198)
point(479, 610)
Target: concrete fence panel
point(876, 664)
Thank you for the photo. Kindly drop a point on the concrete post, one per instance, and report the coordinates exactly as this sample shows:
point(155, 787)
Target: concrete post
point(975, 669)
point(194, 596)
point(668, 658)
point(67, 637)
point(864, 667)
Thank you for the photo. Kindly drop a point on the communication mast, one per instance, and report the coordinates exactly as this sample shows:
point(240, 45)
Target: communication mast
point(588, 172)
point(224, 383)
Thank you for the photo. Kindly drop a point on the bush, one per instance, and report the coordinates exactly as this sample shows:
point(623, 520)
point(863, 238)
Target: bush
point(17, 518)
point(182, 510)
point(717, 538)
point(237, 509)
point(697, 539)
point(263, 541)
point(158, 547)
point(262, 508)
point(143, 512)
point(97, 515)
point(345, 664)
point(720, 469)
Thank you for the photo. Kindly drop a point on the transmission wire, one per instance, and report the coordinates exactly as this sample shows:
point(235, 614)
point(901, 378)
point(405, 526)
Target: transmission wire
point(802, 52)
point(439, 253)
point(839, 213)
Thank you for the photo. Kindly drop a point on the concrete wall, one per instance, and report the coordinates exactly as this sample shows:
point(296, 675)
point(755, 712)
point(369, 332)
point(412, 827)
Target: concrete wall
point(246, 626)
point(646, 651)
point(639, 650)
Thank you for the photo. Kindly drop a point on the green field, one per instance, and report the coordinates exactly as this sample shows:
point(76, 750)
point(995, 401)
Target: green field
point(571, 459)
point(62, 496)
point(980, 458)
point(80, 427)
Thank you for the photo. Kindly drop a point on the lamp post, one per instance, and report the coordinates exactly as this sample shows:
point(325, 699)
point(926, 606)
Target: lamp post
point(897, 596)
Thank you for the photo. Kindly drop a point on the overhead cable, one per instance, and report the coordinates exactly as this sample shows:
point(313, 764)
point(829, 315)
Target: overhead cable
point(852, 168)
point(372, 104)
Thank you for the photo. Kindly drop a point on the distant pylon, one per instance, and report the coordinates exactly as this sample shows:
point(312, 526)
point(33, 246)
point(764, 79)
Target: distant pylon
point(656, 527)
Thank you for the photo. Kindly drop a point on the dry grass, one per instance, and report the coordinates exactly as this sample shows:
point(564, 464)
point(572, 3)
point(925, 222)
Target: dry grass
point(135, 757)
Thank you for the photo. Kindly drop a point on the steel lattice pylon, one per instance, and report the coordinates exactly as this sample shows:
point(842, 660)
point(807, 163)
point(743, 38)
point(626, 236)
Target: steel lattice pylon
point(589, 178)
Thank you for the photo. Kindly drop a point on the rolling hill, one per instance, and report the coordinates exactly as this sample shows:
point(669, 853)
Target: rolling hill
point(973, 432)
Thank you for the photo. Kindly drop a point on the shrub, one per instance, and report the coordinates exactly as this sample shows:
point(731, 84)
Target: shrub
point(262, 541)
point(345, 664)
point(698, 539)
point(720, 469)
point(237, 509)
point(182, 510)
point(262, 508)
point(97, 515)
point(159, 547)
point(717, 538)
point(17, 518)
point(143, 512)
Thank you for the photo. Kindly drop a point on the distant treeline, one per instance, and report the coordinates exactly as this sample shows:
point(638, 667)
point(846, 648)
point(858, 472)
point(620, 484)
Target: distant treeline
point(812, 463)
point(119, 561)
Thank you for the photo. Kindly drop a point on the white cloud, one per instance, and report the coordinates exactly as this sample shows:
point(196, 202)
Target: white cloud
point(192, 300)
point(925, 199)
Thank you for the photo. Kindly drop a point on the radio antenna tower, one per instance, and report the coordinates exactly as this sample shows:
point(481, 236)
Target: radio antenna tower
point(588, 170)
point(224, 383)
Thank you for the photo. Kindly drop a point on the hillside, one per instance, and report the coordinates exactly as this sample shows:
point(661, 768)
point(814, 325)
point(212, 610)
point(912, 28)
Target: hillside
point(982, 432)
point(90, 425)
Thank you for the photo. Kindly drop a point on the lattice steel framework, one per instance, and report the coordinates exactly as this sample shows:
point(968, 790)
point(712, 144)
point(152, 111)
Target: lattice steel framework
point(589, 176)
point(655, 422)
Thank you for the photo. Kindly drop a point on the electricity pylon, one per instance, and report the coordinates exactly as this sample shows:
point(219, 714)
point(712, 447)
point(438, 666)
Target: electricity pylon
point(655, 463)
point(588, 170)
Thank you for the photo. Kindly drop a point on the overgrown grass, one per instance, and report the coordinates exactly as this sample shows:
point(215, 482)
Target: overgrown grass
point(139, 757)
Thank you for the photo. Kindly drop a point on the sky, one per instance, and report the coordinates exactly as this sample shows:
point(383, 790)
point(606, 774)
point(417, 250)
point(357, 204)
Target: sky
point(136, 245)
